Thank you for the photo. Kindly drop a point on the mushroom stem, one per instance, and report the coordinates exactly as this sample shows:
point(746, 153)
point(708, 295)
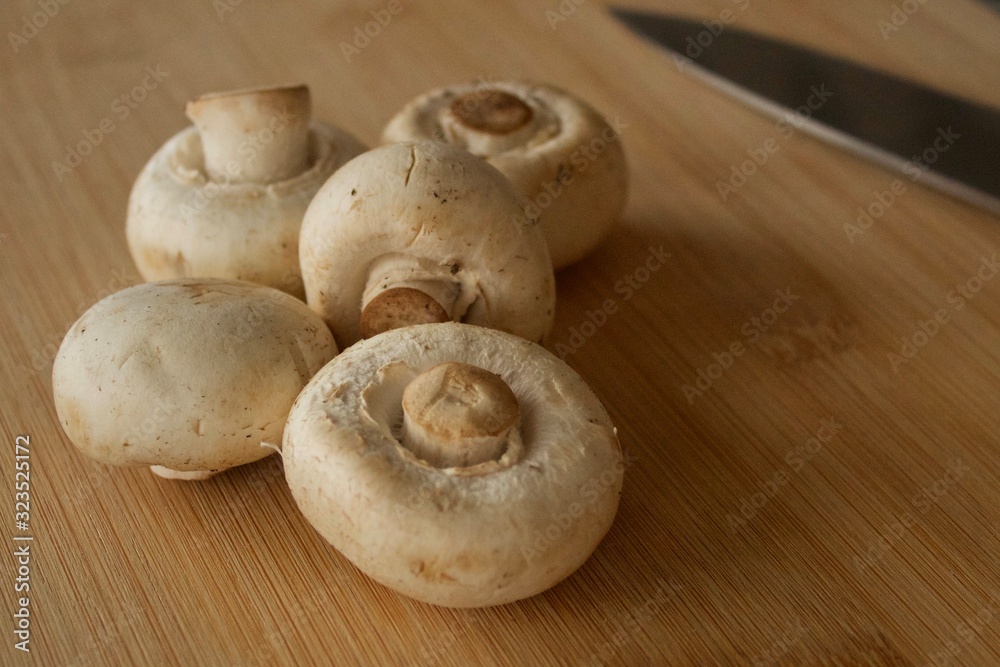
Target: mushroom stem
point(401, 292)
point(488, 121)
point(457, 415)
point(254, 136)
point(188, 475)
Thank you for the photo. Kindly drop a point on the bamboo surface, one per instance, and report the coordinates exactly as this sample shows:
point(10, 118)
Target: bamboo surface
point(818, 501)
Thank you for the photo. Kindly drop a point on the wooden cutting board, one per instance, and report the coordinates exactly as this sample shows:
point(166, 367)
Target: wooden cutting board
point(810, 500)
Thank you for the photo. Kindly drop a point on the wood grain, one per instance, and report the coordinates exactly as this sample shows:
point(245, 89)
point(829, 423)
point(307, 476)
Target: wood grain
point(877, 545)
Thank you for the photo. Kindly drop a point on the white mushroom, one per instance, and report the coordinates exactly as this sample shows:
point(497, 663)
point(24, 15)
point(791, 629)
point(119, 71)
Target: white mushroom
point(424, 232)
point(225, 198)
point(457, 465)
point(188, 376)
point(560, 153)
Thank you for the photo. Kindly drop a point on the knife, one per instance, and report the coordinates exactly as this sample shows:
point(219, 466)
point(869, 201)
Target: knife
point(934, 138)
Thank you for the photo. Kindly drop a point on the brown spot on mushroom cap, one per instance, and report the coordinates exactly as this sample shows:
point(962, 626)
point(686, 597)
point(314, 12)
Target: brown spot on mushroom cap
point(492, 111)
point(431, 572)
point(73, 421)
point(400, 307)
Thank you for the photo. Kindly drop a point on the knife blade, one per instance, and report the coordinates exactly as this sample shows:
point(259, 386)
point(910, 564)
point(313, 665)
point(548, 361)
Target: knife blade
point(934, 138)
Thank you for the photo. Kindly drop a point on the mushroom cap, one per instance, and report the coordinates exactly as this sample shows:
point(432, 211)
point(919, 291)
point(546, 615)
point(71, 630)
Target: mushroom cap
point(181, 223)
point(186, 374)
point(568, 162)
point(449, 211)
point(476, 536)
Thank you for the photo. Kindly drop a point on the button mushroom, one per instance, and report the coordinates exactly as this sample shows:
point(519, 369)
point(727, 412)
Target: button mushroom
point(188, 376)
point(559, 152)
point(424, 232)
point(225, 198)
point(458, 465)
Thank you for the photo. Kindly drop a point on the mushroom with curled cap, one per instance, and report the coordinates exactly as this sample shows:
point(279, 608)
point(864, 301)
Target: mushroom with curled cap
point(225, 198)
point(188, 376)
point(559, 152)
point(422, 232)
point(458, 465)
